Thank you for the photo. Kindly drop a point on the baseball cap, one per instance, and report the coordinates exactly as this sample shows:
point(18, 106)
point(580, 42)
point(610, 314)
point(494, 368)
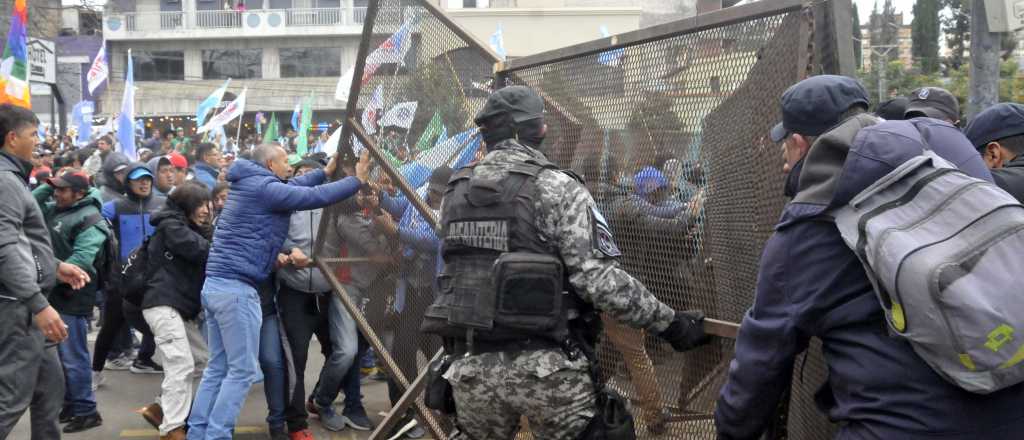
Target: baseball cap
point(178, 160)
point(120, 167)
point(76, 181)
point(894, 109)
point(933, 102)
point(521, 102)
point(439, 179)
point(813, 106)
point(649, 180)
point(139, 173)
point(994, 123)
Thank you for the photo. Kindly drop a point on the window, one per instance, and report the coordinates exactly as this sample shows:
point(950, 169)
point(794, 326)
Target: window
point(159, 65)
point(304, 62)
point(232, 63)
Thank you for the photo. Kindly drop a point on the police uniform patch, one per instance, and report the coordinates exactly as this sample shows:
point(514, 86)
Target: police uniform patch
point(602, 235)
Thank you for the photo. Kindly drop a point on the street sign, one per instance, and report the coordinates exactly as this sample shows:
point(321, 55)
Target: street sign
point(42, 60)
point(1004, 15)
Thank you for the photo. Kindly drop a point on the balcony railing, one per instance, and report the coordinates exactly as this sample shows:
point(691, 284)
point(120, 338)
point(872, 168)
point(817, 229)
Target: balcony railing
point(184, 21)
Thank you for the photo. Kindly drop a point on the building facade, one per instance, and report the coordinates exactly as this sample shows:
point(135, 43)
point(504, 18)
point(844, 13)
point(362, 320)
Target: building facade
point(902, 52)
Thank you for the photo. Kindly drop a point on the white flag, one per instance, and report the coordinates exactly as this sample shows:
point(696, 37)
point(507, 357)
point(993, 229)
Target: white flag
point(344, 85)
point(233, 110)
point(401, 115)
point(98, 71)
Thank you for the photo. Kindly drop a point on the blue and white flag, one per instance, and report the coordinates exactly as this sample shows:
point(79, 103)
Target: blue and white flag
point(441, 138)
point(210, 103)
point(612, 57)
point(296, 115)
point(126, 120)
point(497, 42)
point(81, 116)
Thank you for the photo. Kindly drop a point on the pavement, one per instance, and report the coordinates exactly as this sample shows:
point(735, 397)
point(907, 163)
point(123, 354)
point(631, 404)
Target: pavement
point(125, 392)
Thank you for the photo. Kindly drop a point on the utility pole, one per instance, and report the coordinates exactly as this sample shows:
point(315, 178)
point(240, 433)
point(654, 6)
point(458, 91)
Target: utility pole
point(984, 74)
point(883, 59)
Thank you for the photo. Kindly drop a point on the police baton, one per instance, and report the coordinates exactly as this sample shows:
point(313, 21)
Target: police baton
point(723, 329)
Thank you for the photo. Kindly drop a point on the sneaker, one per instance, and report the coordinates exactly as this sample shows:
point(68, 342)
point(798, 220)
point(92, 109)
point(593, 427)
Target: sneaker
point(305, 434)
point(311, 408)
point(331, 420)
point(121, 363)
point(153, 414)
point(278, 433)
point(65, 415)
point(416, 432)
point(141, 366)
point(357, 419)
point(82, 423)
point(97, 380)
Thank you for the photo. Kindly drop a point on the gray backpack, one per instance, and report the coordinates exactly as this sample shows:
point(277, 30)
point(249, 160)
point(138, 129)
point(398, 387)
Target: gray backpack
point(944, 252)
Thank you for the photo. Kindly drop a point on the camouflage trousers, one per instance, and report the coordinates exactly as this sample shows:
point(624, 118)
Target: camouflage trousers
point(493, 390)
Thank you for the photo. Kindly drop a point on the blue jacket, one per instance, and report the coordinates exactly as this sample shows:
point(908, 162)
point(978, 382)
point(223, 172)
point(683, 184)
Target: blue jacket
point(254, 224)
point(130, 218)
point(206, 174)
point(811, 285)
point(420, 247)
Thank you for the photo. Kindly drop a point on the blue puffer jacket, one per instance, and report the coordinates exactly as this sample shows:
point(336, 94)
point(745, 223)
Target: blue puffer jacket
point(811, 285)
point(254, 223)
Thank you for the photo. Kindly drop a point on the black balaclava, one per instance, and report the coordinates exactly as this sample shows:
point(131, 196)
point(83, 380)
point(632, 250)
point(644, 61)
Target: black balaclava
point(502, 127)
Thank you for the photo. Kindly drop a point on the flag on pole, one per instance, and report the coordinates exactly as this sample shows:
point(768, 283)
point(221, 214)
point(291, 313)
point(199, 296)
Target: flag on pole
point(331, 146)
point(260, 120)
point(210, 103)
point(14, 62)
point(372, 110)
point(344, 85)
point(126, 119)
point(271, 134)
point(401, 115)
point(99, 71)
point(305, 124)
point(441, 138)
point(233, 110)
point(497, 42)
point(392, 50)
point(81, 116)
point(433, 129)
point(612, 57)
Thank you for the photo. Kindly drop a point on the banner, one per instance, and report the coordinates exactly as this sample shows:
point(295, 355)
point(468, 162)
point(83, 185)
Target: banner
point(126, 119)
point(344, 85)
point(401, 115)
point(392, 50)
point(81, 116)
point(99, 71)
point(233, 110)
point(14, 88)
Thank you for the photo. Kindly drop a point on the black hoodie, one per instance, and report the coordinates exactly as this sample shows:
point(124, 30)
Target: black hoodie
point(177, 261)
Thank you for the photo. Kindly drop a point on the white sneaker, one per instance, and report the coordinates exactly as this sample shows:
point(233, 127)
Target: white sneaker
point(121, 363)
point(97, 380)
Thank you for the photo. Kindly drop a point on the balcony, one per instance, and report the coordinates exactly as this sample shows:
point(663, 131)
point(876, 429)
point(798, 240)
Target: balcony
point(213, 24)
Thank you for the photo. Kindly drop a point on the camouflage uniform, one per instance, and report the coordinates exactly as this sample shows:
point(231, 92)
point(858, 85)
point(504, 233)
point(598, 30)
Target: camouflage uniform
point(492, 390)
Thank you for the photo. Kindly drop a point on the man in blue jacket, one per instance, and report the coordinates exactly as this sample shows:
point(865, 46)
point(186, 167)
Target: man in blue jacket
point(811, 285)
point(207, 166)
point(250, 233)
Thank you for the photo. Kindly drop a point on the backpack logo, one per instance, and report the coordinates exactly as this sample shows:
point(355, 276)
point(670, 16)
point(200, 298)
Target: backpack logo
point(999, 337)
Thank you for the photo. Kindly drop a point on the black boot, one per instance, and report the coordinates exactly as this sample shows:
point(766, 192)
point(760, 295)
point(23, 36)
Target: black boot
point(65, 415)
point(82, 423)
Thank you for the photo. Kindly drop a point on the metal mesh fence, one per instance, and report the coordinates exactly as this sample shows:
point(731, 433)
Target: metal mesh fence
point(669, 129)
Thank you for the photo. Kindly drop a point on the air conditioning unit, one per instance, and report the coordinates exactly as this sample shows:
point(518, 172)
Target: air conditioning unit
point(1004, 15)
point(254, 23)
point(277, 19)
point(115, 25)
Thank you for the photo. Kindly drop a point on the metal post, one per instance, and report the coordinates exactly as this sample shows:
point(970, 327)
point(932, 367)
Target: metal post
point(984, 74)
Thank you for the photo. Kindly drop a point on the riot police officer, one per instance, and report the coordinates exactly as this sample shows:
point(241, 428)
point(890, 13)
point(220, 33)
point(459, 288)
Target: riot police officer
point(528, 258)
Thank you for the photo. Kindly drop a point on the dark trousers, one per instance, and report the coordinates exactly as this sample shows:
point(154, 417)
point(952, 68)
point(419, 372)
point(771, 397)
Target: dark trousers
point(31, 377)
point(303, 315)
point(409, 339)
point(115, 316)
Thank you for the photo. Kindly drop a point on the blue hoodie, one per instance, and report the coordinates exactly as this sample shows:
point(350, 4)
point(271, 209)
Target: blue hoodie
point(811, 285)
point(254, 224)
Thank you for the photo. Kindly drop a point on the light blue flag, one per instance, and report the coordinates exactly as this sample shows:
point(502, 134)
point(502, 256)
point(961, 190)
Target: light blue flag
point(295, 115)
point(42, 132)
point(497, 42)
point(612, 57)
point(441, 138)
point(81, 115)
point(126, 119)
point(468, 152)
point(210, 103)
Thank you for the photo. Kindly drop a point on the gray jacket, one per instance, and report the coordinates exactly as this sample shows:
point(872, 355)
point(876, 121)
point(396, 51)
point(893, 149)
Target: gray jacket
point(362, 240)
point(302, 233)
point(27, 266)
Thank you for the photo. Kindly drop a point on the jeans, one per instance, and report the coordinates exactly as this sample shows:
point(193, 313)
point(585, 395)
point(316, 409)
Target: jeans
point(302, 316)
point(31, 377)
point(233, 321)
point(344, 344)
point(74, 356)
point(274, 372)
point(181, 345)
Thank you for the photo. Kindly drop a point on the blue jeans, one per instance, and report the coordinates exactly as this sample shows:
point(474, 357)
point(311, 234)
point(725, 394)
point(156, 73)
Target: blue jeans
point(74, 355)
point(233, 321)
point(344, 344)
point(274, 372)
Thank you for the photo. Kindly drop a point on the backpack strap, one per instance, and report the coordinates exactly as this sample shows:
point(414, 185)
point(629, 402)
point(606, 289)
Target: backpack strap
point(89, 221)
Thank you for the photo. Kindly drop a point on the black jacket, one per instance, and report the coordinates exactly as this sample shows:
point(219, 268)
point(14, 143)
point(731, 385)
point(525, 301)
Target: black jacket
point(177, 262)
point(1011, 178)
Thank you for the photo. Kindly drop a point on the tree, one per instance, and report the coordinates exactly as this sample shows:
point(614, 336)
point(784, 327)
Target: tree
point(857, 55)
point(957, 27)
point(925, 35)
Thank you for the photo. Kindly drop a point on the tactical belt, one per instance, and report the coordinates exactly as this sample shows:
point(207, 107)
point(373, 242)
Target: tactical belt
point(459, 347)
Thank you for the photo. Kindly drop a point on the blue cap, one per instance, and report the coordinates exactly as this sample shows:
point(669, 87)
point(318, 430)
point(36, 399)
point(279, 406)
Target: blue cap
point(813, 106)
point(649, 180)
point(997, 122)
point(139, 173)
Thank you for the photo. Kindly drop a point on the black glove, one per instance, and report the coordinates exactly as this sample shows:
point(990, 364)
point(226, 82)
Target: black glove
point(686, 331)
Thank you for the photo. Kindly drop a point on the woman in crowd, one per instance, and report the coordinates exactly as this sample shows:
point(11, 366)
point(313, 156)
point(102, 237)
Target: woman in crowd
point(177, 262)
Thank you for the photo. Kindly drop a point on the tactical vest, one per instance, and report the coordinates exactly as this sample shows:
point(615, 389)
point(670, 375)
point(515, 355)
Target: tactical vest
point(501, 281)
